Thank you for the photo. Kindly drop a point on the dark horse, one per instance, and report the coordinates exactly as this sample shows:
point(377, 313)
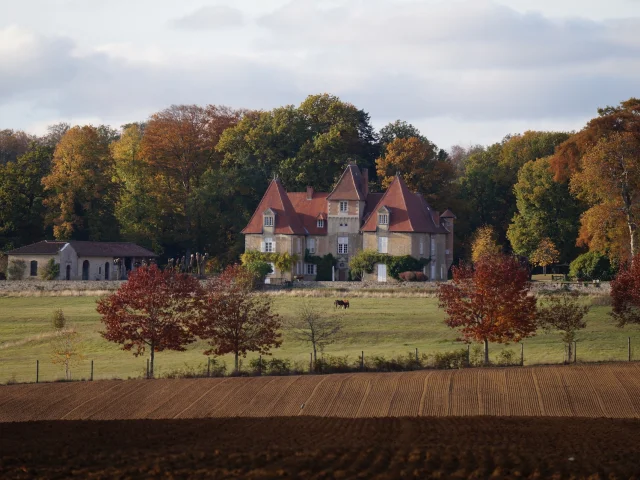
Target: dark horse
point(342, 303)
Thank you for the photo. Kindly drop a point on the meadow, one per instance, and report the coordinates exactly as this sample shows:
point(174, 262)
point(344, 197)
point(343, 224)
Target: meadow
point(377, 326)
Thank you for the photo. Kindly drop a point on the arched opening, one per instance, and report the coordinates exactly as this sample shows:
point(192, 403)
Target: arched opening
point(106, 271)
point(68, 274)
point(34, 268)
point(85, 270)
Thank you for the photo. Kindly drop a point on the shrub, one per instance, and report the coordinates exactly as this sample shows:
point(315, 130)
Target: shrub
point(476, 356)
point(507, 357)
point(591, 266)
point(450, 360)
point(16, 269)
point(408, 276)
point(258, 269)
point(4, 263)
point(51, 270)
point(331, 364)
point(58, 320)
point(421, 277)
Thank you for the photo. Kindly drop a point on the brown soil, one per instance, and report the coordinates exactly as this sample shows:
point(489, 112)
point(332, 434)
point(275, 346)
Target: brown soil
point(311, 447)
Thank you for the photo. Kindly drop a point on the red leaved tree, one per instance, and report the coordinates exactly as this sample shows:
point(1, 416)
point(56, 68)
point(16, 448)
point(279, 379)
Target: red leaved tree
point(154, 309)
point(625, 293)
point(489, 301)
point(237, 320)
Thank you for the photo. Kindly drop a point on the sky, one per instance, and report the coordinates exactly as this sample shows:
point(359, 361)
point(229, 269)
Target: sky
point(464, 72)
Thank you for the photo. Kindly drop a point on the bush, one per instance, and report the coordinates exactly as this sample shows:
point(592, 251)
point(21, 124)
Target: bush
point(58, 320)
point(450, 360)
point(413, 277)
point(591, 266)
point(4, 263)
point(51, 270)
point(507, 358)
point(331, 364)
point(16, 269)
point(259, 270)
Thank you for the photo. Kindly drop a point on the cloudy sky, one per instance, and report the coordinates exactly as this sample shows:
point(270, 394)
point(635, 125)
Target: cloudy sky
point(464, 72)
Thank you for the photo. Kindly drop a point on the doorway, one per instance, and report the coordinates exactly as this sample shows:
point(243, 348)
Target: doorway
point(68, 273)
point(382, 272)
point(85, 270)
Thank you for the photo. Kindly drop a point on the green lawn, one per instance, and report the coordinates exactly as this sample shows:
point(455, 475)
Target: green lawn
point(387, 326)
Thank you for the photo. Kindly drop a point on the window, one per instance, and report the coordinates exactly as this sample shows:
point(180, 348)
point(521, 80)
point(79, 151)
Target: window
point(273, 268)
point(34, 268)
point(311, 244)
point(383, 243)
point(344, 206)
point(343, 245)
point(268, 221)
point(320, 223)
point(383, 219)
point(99, 270)
point(421, 247)
point(311, 269)
point(268, 245)
point(299, 242)
point(433, 248)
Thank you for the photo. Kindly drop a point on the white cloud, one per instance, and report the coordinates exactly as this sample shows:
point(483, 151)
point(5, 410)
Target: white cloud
point(211, 17)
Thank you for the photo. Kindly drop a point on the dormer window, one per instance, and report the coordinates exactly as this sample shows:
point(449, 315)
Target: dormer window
point(383, 219)
point(344, 206)
point(268, 221)
point(320, 223)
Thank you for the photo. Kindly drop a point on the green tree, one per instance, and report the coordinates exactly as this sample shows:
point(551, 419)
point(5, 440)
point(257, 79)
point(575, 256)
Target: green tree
point(546, 209)
point(591, 266)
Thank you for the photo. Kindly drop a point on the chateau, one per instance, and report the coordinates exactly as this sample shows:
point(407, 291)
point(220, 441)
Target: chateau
point(347, 220)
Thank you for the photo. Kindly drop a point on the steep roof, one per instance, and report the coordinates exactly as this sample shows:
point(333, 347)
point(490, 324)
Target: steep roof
point(85, 249)
point(447, 214)
point(46, 247)
point(350, 185)
point(409, 211)
point(276, 199)
point(309, 211)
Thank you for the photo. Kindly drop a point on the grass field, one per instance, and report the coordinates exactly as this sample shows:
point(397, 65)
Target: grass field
point(379, 326)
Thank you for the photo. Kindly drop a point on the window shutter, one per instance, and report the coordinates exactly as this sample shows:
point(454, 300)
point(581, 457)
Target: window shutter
point(262, 246)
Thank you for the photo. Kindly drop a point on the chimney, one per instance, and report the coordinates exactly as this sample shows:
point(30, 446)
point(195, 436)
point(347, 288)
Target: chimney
point(365, 181)
point(309, 193)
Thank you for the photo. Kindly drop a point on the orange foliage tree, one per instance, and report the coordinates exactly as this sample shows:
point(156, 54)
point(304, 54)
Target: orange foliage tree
point(625, 294)
point(154, 309)
point(489, 301)
point(80, 191)
point(237, 320)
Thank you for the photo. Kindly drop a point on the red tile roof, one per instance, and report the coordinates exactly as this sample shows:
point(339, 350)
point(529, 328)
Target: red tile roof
point(350, 186)
point(409, 211)
point(309, 211)
point(276, 199)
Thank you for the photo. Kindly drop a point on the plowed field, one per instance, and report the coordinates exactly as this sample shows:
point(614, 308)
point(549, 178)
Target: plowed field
point(608, 390)
point(295, 447)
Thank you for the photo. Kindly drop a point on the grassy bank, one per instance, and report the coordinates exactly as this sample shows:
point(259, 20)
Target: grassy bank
point(379, 326)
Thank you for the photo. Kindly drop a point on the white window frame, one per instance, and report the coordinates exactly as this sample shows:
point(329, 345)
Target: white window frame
point(311, 245)
point(314, 269)
point(269, 245)
point(383, 218)
point(343, 245)
point(320, 223)
point(299, 245)
point(268, 220)
point(343, 206)
point(421, 246)
point(383, 244)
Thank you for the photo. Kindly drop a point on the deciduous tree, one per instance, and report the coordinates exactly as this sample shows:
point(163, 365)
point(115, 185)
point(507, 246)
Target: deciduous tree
point(484, 244)
point(237, 320)
point(545, 254)
point(625, 293)
point(154, 309)
point(489, 301)
point(66, 345)
point(565, 314)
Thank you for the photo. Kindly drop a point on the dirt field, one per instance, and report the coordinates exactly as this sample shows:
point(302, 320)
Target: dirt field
point(323, 448)
point(606, 390)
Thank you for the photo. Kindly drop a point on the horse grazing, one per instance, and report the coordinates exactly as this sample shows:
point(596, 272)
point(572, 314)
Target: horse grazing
point(341, 303)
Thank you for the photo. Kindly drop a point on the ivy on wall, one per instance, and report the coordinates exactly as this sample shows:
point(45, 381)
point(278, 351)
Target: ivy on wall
point(282, 261)
point(324, 272)
point(366, 260)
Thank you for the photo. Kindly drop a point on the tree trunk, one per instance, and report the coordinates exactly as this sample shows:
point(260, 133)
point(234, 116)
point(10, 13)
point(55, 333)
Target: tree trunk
point(236, 370)
point(544, 269)
point(151, 360)
point(486, 351)
point(315, 357)
point(569, 352)
point(632, 235)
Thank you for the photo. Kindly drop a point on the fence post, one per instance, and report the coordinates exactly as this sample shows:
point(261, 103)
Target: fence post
point(362, 361)
point(310, 362)
point(575, 352)
point(260, 365)
point(416, 354)
point(629, 347)
point(522, 354)
point(468, 355)
point(208, 367)
point(37, 371)
point(91, 371)
point(147, 369)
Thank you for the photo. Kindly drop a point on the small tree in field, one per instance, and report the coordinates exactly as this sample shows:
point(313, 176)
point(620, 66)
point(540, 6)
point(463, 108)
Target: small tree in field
point(489, 302)
point(154, 309)
point(315, 327)
point(625, 293)
point(546, 254)
point(66, 346)
point(235, 319)
point(565, 314)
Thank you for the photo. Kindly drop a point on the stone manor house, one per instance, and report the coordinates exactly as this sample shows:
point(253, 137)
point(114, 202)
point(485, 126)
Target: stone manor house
point(347, 220)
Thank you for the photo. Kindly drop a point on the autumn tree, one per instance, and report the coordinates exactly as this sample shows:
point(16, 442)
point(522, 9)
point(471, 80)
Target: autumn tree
point(625, 294)
point(66, 346)
point(484, 243)
point(13, 144)
point(545, 209)
point(315, 327)
point(563, 313)
point(609, 182)
point(80, 191)
point(418, 161)
point(545, 254)
point(489, 301)
point(236, 320)
point(154, 309)
point(398, 129)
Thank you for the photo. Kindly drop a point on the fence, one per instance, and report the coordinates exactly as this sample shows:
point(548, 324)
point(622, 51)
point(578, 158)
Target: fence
point(467, 357)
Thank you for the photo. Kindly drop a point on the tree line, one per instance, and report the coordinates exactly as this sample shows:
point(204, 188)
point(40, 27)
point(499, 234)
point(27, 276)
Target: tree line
point(189, 177)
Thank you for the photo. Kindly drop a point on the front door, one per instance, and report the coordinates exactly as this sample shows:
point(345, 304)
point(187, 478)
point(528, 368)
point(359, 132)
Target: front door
point(342, 275)
point(68, 276)
point(382, 272)
point(106, 271)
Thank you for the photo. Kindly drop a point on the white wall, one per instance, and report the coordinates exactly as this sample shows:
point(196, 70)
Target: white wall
point(41, 259)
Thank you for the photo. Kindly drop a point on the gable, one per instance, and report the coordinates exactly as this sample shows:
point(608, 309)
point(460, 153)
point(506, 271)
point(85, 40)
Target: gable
point(350, 185)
